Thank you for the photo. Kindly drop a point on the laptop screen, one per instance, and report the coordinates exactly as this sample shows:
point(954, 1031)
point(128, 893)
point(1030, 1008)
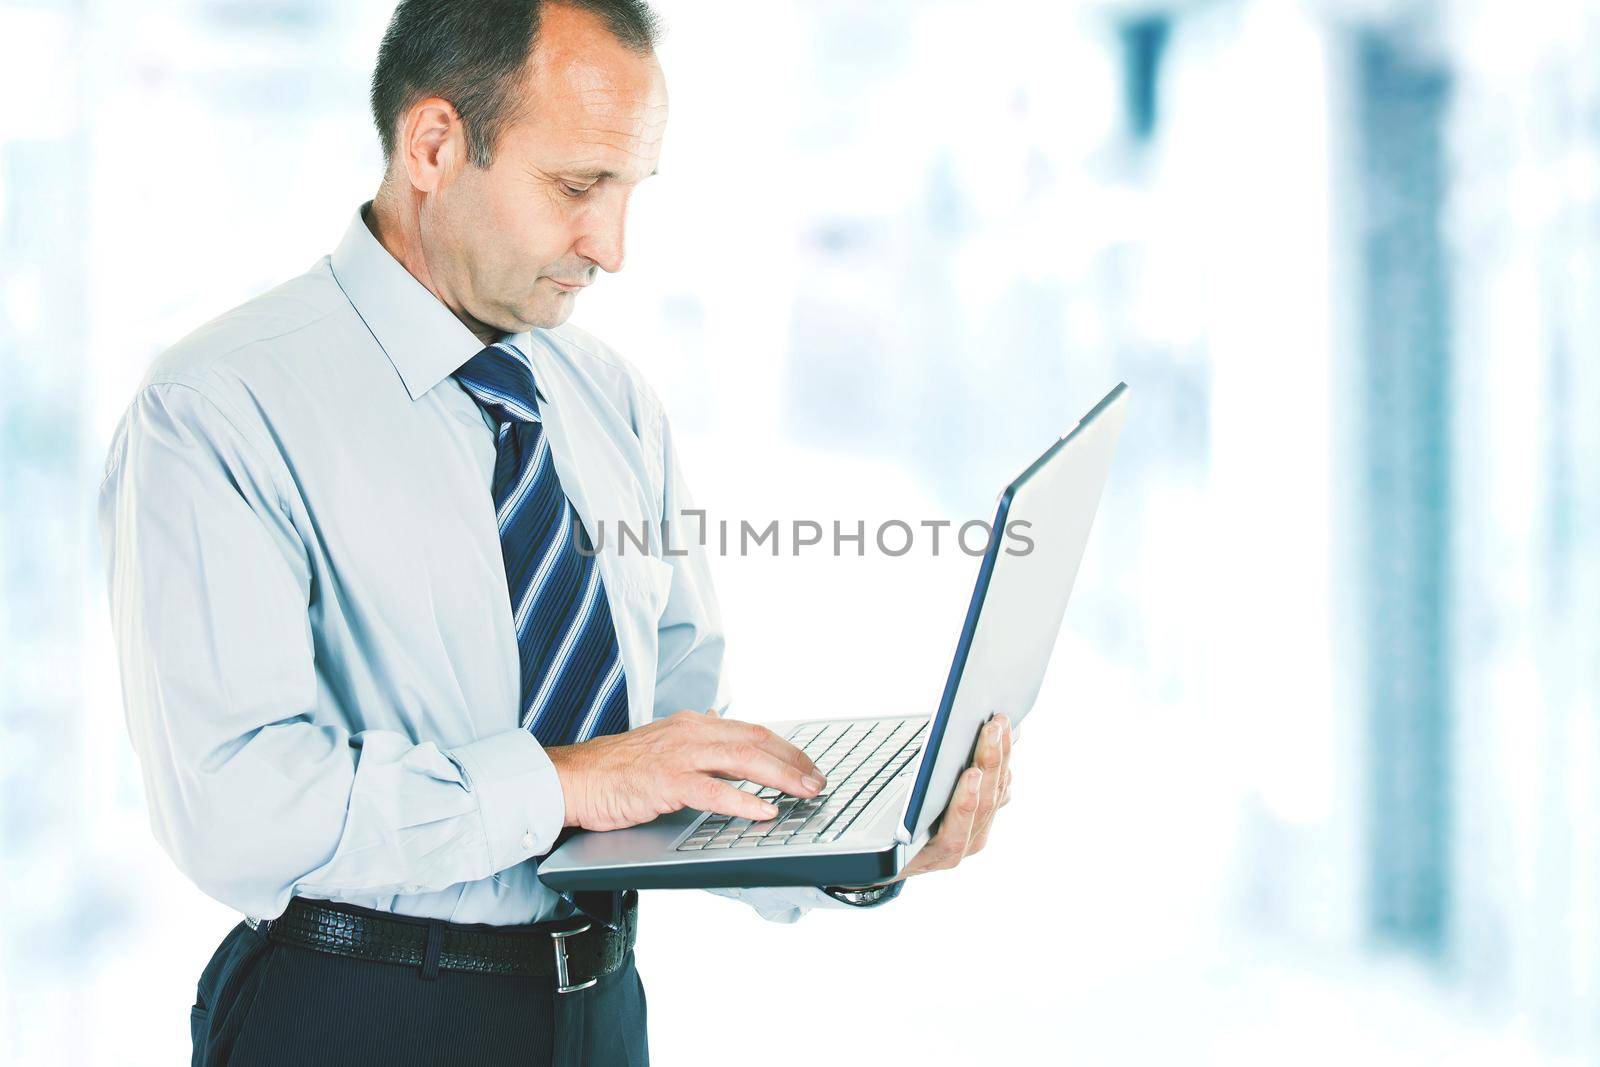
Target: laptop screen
point(1024, 581)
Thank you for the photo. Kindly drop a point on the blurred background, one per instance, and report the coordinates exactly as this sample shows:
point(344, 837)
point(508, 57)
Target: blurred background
point(1314, 776)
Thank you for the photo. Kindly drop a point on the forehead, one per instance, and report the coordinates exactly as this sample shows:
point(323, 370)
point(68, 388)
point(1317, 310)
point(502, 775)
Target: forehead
point(590, 103)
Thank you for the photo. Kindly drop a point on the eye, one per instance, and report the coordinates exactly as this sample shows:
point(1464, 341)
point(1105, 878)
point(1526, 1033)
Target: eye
point(574, 191)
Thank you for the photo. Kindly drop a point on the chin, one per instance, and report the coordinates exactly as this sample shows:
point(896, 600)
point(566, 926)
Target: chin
point(547, 317)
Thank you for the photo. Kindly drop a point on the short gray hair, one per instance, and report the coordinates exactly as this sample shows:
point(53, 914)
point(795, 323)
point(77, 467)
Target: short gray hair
point(471, 53)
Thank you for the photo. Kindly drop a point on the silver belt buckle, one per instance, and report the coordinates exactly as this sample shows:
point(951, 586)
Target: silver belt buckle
point(563, 976)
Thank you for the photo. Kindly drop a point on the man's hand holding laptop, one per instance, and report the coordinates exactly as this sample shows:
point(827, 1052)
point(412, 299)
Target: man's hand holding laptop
point(984, 788)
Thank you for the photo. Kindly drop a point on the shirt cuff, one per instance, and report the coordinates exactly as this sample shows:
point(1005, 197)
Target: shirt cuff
point(519, 795)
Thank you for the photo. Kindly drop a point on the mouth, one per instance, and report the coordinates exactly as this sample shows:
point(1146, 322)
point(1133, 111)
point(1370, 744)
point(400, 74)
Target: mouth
point(566, 287)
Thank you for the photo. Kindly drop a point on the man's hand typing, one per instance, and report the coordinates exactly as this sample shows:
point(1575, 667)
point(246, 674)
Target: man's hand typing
point(629, 778)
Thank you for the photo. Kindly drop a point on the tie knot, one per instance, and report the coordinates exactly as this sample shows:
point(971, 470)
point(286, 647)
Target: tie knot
point(501, 379)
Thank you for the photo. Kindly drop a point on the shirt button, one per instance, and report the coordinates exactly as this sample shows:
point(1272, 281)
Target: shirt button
point(527, 842)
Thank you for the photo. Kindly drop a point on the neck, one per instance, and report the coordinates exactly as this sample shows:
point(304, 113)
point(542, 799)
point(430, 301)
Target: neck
point(396, 221)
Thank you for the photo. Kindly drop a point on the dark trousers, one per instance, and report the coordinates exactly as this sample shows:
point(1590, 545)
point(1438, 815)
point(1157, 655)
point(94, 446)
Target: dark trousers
point(261, 1002)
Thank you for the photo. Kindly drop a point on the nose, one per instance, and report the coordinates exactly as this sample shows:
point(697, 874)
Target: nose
point(602, 239)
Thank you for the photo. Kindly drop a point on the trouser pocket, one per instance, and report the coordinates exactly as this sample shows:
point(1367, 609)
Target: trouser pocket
point(228, 990)
point(199, 1022)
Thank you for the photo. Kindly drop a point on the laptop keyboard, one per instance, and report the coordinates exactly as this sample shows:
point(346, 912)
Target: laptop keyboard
point(858, 758)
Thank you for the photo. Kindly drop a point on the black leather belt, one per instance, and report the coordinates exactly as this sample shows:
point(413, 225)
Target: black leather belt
point(575, 951)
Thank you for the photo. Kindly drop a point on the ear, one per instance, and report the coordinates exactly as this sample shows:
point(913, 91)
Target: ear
point(432, 145)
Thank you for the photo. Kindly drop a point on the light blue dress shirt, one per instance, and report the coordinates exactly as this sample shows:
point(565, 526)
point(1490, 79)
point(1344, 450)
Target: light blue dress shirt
point(309, 601)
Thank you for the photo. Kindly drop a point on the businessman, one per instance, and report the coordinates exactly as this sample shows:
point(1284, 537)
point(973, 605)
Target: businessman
point(373, 656)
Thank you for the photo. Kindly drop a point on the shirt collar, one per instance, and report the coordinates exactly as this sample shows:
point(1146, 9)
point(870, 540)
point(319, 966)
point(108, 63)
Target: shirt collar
point(422, 338)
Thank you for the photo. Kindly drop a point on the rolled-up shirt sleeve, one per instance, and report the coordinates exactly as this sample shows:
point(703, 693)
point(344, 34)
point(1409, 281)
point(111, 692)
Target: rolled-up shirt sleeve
point(254, 794)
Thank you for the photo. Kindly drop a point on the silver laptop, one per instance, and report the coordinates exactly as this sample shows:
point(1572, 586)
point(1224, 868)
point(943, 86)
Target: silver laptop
point(889, 779)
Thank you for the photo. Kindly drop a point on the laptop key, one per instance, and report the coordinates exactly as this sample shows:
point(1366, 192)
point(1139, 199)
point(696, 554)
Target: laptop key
point(719, 843)
point(747, 842)
point(844, 821)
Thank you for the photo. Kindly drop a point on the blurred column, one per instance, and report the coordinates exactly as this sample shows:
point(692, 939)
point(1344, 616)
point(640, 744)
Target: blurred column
point(1401, 411)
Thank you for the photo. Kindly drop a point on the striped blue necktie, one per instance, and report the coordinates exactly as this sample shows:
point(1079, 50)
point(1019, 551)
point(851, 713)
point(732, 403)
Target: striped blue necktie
point(572, 681)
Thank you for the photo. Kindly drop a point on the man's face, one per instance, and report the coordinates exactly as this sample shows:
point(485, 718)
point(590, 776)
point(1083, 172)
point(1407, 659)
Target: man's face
point(511, 245)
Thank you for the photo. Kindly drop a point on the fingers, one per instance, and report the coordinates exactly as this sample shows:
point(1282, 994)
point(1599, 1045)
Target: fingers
point(1005, 776)
point(782, 749)
point(750, 750)
point(955, 830)
point(713, 794)
point(992, 757)
point(745, 756)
